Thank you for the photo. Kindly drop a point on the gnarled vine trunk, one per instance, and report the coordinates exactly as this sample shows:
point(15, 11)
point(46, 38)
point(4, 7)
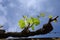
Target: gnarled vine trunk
point(25, 33)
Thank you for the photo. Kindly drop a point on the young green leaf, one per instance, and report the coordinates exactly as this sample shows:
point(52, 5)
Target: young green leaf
point(50, 16)
point(21, 23)
point(36, 21)
point(55, 21)
point(42, 14)
point(32, 27)
point(30, 21)
point(24, 16)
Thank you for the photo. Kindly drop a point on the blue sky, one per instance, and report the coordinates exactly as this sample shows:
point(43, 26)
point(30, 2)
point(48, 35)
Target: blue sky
point(11, 11)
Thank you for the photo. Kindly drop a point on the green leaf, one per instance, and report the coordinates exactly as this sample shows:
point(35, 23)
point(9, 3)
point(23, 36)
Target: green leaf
point(24, 16)
point(29, 21)
point(36, 21)
point(55, 21)
point(21, 23)
point(50, 16)
point(42, 14)
point(32, 20)
point(32, 27)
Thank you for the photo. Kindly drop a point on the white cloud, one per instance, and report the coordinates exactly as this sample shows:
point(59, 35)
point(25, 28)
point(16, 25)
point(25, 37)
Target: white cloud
point(13, 27)
point(3, 9)
point(3, 20)
point(12, 4)
point(31, 3)
point(35, 2)
point(32, 6)
point(51, 9)
point(1, 1)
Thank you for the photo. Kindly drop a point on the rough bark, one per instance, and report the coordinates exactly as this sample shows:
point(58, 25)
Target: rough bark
point(44, 30)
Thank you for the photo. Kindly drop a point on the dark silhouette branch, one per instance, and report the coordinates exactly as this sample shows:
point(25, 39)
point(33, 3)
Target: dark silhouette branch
point(44, 30)
point(50, 20)
point(48, 24)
